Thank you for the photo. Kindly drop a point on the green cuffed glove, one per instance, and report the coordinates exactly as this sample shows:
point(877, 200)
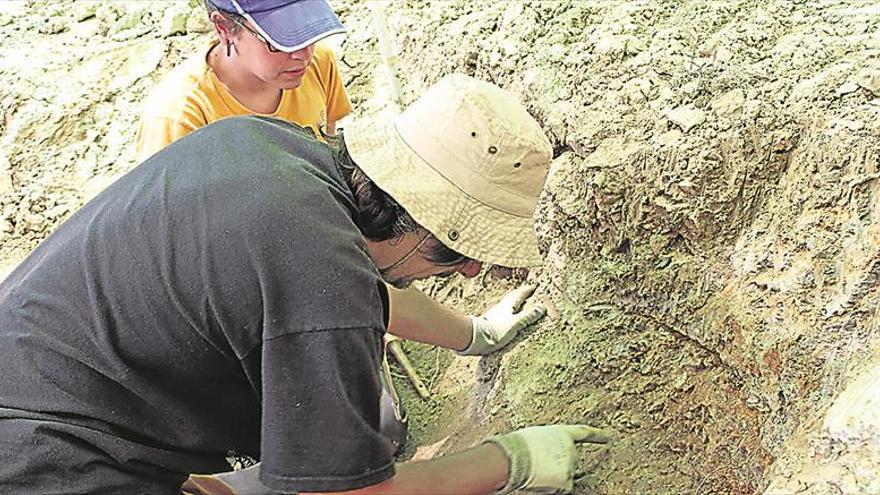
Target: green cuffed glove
point(544, 458)
point(498, 326)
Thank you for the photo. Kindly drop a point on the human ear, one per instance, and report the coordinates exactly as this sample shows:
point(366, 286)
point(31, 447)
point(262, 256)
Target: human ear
point(221, 27)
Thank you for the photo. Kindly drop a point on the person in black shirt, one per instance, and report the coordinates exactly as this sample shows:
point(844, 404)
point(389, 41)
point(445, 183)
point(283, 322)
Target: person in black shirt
point(229, 294)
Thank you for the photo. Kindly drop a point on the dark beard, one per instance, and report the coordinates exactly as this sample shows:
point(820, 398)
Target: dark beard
point(396, 282)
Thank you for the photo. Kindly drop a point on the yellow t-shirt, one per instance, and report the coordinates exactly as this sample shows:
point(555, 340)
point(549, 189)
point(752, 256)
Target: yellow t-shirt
point(191, 96)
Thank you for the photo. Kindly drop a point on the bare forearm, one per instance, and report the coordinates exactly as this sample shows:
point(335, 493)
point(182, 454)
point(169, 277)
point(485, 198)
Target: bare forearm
point(476, 471)
point(415, 316)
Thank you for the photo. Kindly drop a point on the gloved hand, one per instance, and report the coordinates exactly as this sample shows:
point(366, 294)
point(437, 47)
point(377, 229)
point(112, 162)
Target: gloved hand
point(544, 458)
point(498, 326)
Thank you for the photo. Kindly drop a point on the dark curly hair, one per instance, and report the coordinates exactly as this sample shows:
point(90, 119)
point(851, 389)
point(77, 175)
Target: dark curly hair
point(380, 217)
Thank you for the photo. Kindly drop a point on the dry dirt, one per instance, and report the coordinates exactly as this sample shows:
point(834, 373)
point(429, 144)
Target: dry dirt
point(711, 224)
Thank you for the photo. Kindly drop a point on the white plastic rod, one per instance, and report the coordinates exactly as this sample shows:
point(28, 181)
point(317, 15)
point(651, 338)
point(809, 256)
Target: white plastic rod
point(387, 51)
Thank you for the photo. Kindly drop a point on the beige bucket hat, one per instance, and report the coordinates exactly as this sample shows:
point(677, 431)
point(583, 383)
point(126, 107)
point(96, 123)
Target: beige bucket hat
point(467, 162)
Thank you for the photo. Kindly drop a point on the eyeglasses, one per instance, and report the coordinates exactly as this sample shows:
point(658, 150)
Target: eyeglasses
point(258, 36)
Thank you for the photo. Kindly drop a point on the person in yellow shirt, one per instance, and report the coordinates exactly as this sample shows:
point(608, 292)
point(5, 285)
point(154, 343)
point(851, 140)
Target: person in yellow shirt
point(266, 60)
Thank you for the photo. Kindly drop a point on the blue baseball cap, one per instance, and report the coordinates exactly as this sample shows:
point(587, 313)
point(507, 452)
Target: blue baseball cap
point(289, 25)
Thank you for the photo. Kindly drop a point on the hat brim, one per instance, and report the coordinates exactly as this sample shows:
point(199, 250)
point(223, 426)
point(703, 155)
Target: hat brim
point(456, 219)
point(296, 25)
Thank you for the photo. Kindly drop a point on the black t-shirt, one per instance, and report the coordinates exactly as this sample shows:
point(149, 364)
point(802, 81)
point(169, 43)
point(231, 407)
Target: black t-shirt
point(218, 297)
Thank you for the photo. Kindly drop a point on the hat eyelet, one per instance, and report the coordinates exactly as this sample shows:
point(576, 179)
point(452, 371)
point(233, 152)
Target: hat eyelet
point(452, 235)
point(473, 134)
point(493, 149)
point(517, 165)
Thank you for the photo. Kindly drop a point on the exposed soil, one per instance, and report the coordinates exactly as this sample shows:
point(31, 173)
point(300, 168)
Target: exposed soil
point(711, 223)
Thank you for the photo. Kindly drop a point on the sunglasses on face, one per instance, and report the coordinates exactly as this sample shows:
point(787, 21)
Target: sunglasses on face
point(257, 35)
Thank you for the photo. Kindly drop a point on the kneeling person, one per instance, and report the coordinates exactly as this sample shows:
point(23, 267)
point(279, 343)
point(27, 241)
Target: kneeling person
point(228, 294)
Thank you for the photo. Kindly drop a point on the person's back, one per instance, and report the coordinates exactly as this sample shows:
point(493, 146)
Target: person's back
point(134, 339)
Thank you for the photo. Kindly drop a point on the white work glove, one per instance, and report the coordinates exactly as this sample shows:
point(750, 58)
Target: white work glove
point(498, 326)
point(544, 458)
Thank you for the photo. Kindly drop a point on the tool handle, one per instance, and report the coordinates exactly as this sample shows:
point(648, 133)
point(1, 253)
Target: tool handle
point(396, 349)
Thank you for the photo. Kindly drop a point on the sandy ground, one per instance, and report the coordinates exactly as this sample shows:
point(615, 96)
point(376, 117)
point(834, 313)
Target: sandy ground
point(710, 224)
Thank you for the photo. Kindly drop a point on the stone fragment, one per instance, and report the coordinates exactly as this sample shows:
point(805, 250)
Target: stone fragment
point(34, 222)
point(56, 211)
point(641, 60)
point(853, 125)
point(130, 20)
point(869, 79)
point(728, 103)
point(847, 88)
point(509, 48)
point(619, 44)
point(556, 52)
point(197, 21)
point(723, 55)
point(686, 117)
point(667, 205)
point(84, 10)
point(53, 26)
point(669, 138)
point(637, 90)
point(173, 21)
point(108, 13)
point(15, 9)
point(87, 164)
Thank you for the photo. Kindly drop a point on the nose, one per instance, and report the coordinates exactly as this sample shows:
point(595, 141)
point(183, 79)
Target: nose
point(471, 268)
point(304, 53)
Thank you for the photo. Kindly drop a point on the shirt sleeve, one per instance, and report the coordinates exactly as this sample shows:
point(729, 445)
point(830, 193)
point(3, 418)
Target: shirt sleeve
point(321, 395)
point(338, 104)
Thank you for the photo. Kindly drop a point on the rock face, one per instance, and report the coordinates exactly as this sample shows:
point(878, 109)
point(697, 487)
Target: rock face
point(710, 228)
point(711, 224)
point(843, 454)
